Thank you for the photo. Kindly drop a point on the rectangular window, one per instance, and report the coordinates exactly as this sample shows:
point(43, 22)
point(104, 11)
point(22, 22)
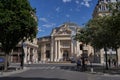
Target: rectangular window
point(47, 45)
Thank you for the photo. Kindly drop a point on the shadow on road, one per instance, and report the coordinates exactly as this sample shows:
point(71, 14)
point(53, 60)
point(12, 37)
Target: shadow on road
point(96, 68)
point(21, 78)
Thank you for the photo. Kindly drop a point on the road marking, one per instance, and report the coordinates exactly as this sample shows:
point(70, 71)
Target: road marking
point(45, 67)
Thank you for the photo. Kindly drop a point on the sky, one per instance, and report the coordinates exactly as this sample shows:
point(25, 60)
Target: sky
point(52, 13)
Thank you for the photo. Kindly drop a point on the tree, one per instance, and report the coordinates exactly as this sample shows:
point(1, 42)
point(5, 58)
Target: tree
point(95, 33)
point(17, 22)
point(103, 32)
point(114, 26)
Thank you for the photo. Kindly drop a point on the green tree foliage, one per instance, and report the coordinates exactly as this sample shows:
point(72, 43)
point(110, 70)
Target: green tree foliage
point(103, 32)
point(17, 22)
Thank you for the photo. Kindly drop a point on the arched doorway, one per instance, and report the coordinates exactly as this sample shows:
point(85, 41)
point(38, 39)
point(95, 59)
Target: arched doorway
point(65, 55)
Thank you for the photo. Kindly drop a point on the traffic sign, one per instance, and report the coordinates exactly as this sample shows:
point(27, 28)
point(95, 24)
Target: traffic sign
point(2, 60)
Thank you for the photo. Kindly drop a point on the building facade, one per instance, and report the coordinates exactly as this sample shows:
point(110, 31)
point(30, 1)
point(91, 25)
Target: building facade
point(102, 7)
point(30, 52)
point(60, 45)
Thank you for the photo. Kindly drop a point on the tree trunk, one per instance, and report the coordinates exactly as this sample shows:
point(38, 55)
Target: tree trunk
point(106, 58)
point(22, 56)
point(94, 55)
point(116, 57)
point(6, 62)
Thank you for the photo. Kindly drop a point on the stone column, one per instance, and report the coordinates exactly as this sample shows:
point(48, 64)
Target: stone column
point(25, 56)
point(59, 55)
point(118, 56)
point(28, 54)
point(55, 51)
point(36, 57)
point(102, 56)
point(51, 55)
point(71, 48)
point(44, 53)
point(33, 57)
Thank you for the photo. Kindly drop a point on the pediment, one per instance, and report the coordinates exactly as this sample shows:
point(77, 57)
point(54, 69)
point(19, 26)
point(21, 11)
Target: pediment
point(64, 30)
point(67, 28)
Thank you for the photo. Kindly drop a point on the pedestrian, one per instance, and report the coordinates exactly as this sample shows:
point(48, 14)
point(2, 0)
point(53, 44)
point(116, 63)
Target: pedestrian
point(109, 61)
point(78, 64)
point(114, 62)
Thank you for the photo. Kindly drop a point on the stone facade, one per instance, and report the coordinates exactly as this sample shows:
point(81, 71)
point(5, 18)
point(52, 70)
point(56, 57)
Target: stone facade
point(102, 7)
point(30, 52)
point(60, 45)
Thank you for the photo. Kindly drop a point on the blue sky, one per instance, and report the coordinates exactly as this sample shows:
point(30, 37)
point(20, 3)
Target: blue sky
point(52, 13)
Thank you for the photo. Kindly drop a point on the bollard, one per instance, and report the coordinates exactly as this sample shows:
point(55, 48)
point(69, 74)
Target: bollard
point(91, 70)
point(1, 72)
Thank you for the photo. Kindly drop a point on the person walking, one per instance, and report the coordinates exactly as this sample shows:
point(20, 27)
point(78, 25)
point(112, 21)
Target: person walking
point(78, 64)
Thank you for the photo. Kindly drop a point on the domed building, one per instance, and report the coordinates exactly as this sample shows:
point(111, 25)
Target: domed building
point(60, 45)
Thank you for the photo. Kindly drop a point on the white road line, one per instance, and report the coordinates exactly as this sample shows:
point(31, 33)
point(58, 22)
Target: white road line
point(53, 67)
point(46, 67)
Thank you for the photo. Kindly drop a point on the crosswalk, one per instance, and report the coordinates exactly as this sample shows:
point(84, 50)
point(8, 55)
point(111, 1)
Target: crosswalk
point(45, 67)
point(51, 67)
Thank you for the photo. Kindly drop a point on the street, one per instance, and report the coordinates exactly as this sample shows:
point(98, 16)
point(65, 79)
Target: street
point(56, 72)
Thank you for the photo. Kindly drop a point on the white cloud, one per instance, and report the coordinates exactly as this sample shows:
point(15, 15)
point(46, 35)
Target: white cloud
point(49, 25)
point(43, 19)
point(86, 3)
point(57, 9)
point(67, 15)
point(40, 30)
point(77, 2)
point(65, 1)
point(82, 3)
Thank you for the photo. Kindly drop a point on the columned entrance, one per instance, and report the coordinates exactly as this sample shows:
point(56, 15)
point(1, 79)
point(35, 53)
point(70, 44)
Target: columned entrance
point(65, 55)
point(48, 55)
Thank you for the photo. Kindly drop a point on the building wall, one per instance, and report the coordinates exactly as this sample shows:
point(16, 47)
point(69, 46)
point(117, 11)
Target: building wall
point(30, 52)
point(62, 45)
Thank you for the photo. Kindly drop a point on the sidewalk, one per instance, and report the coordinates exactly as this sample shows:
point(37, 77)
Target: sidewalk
point(12, 70)
point(100, 69)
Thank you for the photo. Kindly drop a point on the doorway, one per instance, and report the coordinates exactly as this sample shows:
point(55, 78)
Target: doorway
point(65, 55)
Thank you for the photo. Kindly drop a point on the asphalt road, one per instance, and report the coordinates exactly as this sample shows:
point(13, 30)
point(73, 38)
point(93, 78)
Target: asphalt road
point(57, 72)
